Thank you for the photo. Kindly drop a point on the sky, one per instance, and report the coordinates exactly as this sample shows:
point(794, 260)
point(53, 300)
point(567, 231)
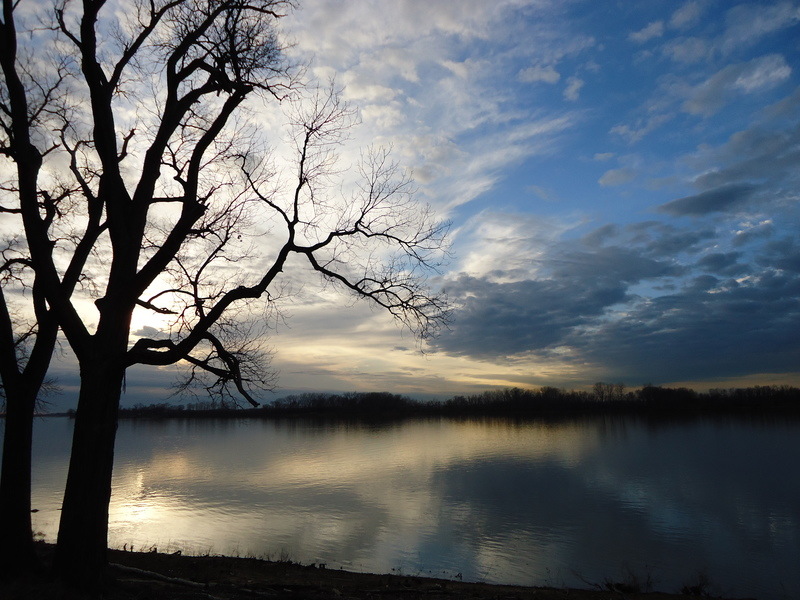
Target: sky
point(621, 182)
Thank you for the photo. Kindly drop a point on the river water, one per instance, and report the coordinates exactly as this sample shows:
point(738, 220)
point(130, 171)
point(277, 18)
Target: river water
point(573, 502)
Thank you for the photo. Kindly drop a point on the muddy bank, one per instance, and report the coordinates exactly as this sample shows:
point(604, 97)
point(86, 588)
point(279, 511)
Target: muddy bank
point(155, 576)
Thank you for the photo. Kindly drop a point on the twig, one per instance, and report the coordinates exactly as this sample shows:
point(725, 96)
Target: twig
point(158, 576)
point(185, 582)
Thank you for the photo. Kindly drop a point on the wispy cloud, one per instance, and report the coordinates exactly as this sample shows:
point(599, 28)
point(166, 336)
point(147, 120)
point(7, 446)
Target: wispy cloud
point(573, 89)
point(717, 200)
point(687, 15)
point(652, 30)
point(652, 301)
point(743, 78)
point(614, 177)
point(571, 253)
point(546, 74)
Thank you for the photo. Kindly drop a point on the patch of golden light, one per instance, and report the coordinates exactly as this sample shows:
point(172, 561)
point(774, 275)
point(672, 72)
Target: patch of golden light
point(364, 465)
point(367, 363)
point(146, 323)
point(744, 381)
point(423, 450)
point(138, 506)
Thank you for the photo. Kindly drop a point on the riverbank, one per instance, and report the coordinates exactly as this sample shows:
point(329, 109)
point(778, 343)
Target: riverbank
point(155, 576)
point(649, 402)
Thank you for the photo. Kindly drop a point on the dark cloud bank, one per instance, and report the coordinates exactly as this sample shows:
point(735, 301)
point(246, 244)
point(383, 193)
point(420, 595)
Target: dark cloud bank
point(715, 317)
point(712, 293)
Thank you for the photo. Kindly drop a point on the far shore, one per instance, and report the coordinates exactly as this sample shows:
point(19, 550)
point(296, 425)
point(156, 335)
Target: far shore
point(545, 403)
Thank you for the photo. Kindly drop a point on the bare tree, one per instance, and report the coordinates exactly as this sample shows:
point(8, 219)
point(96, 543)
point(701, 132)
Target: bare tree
point(171, 207)
point(25, 352)
point(28, 327)
point(608, 392)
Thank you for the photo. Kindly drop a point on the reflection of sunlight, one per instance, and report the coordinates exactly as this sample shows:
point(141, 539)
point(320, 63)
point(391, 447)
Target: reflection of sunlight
point(376, 484)
point(492, 500)
point(133, 505)
point(424, 449)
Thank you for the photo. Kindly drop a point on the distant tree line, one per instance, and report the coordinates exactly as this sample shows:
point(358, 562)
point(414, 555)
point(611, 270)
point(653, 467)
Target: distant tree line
point(604, 398)
point(614, 398)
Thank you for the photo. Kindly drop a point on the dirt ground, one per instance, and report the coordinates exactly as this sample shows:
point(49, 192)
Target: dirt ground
point(153, 576)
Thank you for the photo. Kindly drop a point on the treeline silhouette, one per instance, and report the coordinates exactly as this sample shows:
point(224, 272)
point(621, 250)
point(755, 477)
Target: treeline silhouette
point(604, 398)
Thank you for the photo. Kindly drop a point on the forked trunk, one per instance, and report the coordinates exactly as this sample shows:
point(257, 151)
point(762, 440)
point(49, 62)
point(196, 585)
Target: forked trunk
point(17, 555)
point(81, 551)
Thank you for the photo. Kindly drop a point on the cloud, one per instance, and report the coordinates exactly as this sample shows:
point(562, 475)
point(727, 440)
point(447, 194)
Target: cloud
point(641, 128)
point(627, 297)
point(716, 200)
point(479, 160)
point(615, 177)
point(747, 23)
point(749, 232)
point(785, 108)
point(755, 75)
point(658, 240)
point(723, 263)
point(501, 319)
point(394, 60)
point(755, 154)
point(608, 263)
point(573, 89)
point(740, 326)
point(703, 89)
point(546, 74)
point(360, 91)
point(765, 72)
point(459, 69)
point(709, 314)
point(687, 15)
point(782, 253)
point(504, 246)
point(639, 302)
point(687, 50)
point(601, 235)
point(754, 172)
point(426, 84)
point(324, 28)
point(150, 332)
point(499, 315)
point(653, 301)
point(653, 30)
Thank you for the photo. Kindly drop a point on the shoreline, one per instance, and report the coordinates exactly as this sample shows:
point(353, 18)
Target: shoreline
point(546, 403)
point(157, 576)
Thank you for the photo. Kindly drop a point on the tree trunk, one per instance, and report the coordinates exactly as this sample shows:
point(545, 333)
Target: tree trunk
point(17, 555)
point(82, 548)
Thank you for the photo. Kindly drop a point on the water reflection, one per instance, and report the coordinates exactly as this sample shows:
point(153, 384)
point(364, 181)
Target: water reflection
point(533, 503)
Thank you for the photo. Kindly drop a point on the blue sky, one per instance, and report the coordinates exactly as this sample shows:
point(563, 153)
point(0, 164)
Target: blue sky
point(621, 179)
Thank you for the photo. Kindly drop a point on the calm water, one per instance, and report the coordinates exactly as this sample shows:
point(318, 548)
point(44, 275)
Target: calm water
point(531, 503)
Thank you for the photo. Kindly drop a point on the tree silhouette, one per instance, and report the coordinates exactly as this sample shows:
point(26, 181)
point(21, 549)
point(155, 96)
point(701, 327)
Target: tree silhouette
point(25, 352)
point(152, 188)
point(28, 326)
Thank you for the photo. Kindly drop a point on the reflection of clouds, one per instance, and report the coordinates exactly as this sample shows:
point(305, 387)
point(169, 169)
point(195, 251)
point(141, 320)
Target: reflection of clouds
point(679, 503)
point(530, 503)
point(432, 445)
point(348, 490)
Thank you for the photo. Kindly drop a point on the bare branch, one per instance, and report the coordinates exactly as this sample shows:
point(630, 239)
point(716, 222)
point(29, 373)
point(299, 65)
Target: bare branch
point(154, 308)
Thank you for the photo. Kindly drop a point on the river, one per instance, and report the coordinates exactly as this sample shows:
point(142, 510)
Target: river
point(564, 503)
